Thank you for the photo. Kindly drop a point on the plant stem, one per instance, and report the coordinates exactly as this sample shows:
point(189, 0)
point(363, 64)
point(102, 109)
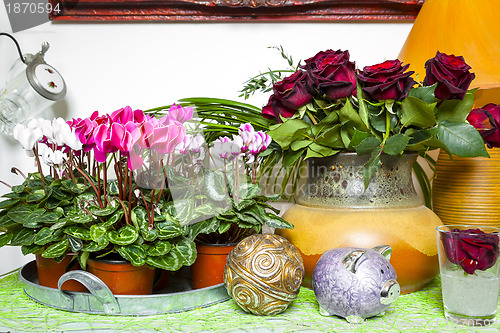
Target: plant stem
point(17, 171)
point(309, 114)
point(91, 184)
point(37, 158)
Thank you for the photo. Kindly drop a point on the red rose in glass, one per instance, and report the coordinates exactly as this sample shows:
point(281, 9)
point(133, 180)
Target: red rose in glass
point(486, 120)
point(472, 249)
point(388, 80)
point(451, 74)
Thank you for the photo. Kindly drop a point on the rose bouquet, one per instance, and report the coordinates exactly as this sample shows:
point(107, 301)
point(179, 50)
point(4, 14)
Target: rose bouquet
point(131, 184)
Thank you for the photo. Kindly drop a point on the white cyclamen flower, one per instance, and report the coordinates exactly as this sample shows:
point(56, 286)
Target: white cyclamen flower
point(27, 136)
point(51, 157)
point(64, 136)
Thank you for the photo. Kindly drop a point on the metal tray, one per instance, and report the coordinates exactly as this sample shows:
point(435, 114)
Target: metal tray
point(178, 297)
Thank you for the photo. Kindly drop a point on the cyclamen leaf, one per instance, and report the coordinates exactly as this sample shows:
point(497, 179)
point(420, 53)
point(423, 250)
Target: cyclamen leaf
point(133, 253)
point(33, 248)
point(20, 213)
point(5, 239)
point(167, 230)
point(98, 233)
point(186, 249)
point(78, 232)
point(160, 248)
point(125, 236)
point(172, 261)
point(274, 221)
point(203, 227)
point(24, 236)
point(8, 203)
point(35, 196)
point(75, 243)
point(223, 227)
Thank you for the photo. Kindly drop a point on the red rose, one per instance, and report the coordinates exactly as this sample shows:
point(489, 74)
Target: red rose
point(290, 94)
point(332, 74)
point(472, 249)
point(451, 74)
point(388, 80)
point(275, 108)
point(486, 120)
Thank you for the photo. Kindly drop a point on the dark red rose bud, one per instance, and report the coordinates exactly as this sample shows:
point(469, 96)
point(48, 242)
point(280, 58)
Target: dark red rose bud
point(388, 80)
point(472, 249)
point(451, 74)
point(292, 91)
point(486, 120)
point(275, 109)
point(332, 74)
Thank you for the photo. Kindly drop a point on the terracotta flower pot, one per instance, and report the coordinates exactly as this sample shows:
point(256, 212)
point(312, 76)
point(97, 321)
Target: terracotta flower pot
point(49, 271)
point(208, 269)
point(121, 277)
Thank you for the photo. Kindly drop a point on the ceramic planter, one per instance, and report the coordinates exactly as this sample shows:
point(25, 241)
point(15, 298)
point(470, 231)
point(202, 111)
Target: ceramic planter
point(208, 269)
point(336, 211)
point(49, 271)
point(121, 277)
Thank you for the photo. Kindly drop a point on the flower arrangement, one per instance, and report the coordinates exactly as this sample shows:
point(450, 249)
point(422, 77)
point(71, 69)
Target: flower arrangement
point(133, 184)
point(327, 106)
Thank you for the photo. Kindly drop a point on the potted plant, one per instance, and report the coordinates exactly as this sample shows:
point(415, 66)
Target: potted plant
point(133, 218)
point(359, 132)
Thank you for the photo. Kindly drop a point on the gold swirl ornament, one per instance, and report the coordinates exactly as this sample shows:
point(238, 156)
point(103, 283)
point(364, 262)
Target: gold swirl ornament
point(263, 274)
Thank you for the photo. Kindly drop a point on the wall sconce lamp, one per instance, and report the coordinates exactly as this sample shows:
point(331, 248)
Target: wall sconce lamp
point(32, 86)
point(460, 27)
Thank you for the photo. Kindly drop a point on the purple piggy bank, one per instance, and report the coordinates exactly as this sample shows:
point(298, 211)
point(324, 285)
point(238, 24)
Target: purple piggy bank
point(355, 283)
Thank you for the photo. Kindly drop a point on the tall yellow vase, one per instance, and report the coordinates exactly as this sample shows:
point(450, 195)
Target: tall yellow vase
point(466, 190)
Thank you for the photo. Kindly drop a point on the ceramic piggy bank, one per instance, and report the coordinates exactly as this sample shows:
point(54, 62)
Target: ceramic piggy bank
point(355, 283)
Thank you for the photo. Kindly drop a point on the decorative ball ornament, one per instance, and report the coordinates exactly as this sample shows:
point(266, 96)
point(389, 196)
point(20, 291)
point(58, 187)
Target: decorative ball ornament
point(263, 274)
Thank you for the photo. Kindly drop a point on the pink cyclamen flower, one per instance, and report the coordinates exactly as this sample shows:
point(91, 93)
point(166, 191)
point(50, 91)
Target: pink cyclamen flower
point(226, 148)
point(163, 135)
point(180, 113)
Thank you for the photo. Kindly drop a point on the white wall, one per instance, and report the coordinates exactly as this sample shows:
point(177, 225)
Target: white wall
point(144, 65)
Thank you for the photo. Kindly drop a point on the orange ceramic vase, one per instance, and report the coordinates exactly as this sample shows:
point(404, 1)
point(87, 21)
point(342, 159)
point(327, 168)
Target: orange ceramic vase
point(336, 211)
point(208, 269)
point(121, 277)
point(49, 271)
point(466, 190)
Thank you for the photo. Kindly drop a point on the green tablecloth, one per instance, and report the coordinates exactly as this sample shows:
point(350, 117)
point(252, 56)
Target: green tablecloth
point(417, 312)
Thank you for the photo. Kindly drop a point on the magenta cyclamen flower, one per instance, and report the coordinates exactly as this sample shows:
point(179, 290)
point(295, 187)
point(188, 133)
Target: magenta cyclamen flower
point(163, 135)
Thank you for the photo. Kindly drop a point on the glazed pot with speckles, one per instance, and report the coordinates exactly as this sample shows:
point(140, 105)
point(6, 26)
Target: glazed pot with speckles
point(335, 210)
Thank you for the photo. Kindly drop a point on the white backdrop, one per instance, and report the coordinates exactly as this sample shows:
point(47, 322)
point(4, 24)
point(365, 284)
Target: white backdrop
point(110, 65)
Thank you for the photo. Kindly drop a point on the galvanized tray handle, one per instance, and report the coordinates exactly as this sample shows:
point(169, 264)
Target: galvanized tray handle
point(95, 286)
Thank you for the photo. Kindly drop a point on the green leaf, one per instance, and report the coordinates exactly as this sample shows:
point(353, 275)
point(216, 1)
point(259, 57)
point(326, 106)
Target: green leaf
point(168, 229)
point(326, 122)
point(184, 209)
point(149, 235)
point(462, 139)
point(98, 233)
point(113, 188)
point(368, 145)
point(139, 218)
point(172, 261)
point(45, 236)
point(20, 213)
point(395, 145)
point(33, 248)
point(116, 217)
point(426, 93)
point(56, 250)
point(415, 112)
point(59, 224)
point(348, 113)
point(214, 185)
point(133, 253)
point(94, 247)
point(53, 203)
point(71, 187)
point(363, 108)
point(6, 221)
point(205, 209)
point(249, 190)
point(455, 109)
point(223, 227)
point(8, 203)
point(331, 138)
point(78, 232)
point(31, 220)
point(159, 248)
point(203, 227)
point(24, 236)
point(322, 150)
point(80, 217)
point(49, 217)
point(110, 209)
point(274, 221)
point(290, 157)
point(288, 131)
point(5, 239)
point(125, 236)
point(358, 137)
point(18, 188)
point(186, 250)
point(370, 168)
point(35, 196)
point(300, 144)
point(75, 243)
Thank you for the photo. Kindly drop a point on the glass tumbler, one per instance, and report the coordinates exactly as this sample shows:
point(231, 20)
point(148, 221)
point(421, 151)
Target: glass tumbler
point(469, 270)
